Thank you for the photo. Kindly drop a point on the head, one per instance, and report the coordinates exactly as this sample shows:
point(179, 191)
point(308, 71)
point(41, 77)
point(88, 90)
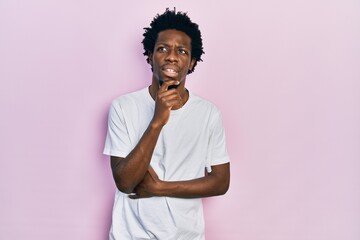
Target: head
point(172, 20)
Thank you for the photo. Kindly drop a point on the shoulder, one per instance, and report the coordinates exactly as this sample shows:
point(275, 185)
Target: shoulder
point(202, 104)
point(131, 98)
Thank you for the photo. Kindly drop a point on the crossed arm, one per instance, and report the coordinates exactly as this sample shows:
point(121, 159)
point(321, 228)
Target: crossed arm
point(214, 183)
point(134, 175)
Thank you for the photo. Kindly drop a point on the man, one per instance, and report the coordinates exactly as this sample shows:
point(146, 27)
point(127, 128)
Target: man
point(167, 145)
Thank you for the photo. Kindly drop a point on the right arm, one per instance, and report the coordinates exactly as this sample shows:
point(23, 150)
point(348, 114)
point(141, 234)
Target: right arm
point(128, 172)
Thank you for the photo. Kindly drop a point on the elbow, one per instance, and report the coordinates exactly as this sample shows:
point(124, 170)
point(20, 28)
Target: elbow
point(224, 188)
point(221, 178)
point(122, 185)
point(122, 181)
point(124, 188)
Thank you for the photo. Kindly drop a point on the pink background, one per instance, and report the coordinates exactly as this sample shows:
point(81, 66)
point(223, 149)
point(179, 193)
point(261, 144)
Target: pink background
point(285, 74)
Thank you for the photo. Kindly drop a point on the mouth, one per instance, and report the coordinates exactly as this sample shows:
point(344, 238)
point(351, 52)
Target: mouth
point(170, 71)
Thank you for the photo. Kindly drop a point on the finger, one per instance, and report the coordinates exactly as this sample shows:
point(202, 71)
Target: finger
point(170, 103)
point(169, 95)
point(133, 196)
point(169, 98)
point(166, 84)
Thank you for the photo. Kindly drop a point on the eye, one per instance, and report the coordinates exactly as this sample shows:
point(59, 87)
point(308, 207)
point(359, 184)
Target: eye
point(183, 52)
point(161, 49)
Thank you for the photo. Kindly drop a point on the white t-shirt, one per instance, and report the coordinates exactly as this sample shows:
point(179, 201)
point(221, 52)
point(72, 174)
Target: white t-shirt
point(192, 140)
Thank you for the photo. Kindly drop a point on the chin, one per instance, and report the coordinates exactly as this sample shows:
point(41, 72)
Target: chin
point(172, 87)
point(166, 79)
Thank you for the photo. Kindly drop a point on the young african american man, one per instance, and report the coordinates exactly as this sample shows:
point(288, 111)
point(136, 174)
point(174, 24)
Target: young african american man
point(167, 145)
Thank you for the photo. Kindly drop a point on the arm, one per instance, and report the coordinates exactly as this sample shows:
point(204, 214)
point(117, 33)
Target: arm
point(214, 183)
point(128, 172)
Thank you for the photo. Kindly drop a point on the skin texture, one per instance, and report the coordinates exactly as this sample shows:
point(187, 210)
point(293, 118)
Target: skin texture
point(171, 61)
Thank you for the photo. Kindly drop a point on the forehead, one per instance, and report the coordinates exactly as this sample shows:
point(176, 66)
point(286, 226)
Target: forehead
point(173, 37)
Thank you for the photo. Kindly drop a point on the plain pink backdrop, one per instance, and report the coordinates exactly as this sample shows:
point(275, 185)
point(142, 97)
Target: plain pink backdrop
point(285, 74)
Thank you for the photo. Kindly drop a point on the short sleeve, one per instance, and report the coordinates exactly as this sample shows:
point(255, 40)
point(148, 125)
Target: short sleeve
point(217, 152)
point(117, 141)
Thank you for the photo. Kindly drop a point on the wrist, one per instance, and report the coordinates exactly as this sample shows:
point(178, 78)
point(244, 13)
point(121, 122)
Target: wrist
point(156, 125)
point(164, 189)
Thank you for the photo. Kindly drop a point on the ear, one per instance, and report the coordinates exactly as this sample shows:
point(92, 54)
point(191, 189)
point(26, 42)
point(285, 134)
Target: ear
point(150, 56)
point(192, 63)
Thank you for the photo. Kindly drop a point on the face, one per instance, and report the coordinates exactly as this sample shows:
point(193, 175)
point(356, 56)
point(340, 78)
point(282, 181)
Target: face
point(171, 58)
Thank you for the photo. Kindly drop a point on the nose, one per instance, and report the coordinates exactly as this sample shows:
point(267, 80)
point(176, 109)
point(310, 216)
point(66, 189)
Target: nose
point(172, 56)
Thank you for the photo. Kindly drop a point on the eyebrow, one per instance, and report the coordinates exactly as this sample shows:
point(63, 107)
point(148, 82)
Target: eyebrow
point(167, 45)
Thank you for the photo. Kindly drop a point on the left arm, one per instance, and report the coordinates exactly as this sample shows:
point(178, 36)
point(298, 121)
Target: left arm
point(214, 183)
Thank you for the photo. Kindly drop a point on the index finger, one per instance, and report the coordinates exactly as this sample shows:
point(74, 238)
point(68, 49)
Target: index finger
point(166, 84)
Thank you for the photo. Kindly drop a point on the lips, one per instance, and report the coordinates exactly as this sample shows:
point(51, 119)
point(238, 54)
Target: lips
point(170, 70)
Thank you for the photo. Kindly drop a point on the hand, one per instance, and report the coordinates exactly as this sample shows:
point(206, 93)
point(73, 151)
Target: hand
point(147, 187)
point(165, 100)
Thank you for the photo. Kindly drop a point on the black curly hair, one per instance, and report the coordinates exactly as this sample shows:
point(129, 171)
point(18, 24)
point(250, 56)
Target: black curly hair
point(180, 21)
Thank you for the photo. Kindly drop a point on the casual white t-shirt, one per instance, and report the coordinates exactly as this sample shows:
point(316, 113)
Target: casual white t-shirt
point(193, 140)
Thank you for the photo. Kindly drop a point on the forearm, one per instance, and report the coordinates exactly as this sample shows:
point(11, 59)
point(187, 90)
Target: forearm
point(215, 183)
point(129, 171)
point(197, 188)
